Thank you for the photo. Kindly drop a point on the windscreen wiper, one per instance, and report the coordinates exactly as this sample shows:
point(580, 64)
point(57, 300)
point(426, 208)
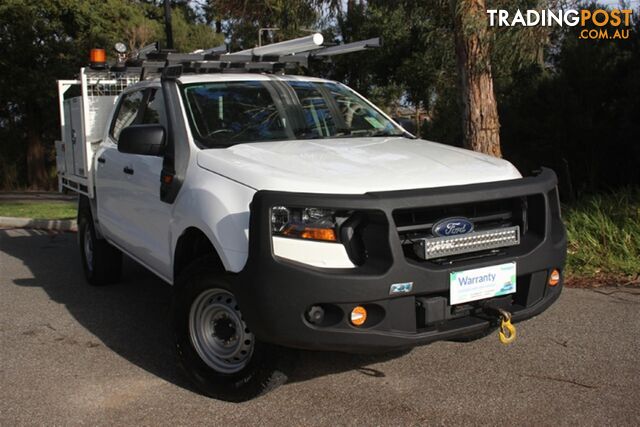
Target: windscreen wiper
point(307, 133)
point(383, 132)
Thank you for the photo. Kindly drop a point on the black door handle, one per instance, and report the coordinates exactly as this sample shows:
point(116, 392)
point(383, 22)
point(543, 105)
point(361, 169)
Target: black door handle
point(102, 160)
point(128, 170)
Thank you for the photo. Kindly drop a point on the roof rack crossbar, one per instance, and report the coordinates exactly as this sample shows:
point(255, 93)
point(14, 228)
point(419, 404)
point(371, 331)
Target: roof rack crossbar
point(146, 50)
point(298, 45)
point(218, 50)
point(276, 57)
point(347, 48)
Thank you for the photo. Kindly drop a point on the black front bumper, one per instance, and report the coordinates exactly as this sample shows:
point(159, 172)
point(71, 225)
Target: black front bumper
point(275, 294)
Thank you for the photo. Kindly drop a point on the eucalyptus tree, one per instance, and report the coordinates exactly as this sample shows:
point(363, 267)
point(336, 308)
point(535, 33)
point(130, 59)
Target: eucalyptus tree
point(440, 56)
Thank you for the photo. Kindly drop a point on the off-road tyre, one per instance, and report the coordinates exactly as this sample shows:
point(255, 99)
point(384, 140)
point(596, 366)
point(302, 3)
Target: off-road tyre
point(260, 367)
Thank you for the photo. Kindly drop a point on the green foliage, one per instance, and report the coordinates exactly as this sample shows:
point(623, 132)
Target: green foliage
point(579, 115)
point(188, 37)
point(39, 42)
point(243, 19)
point(188, 33)
point(604, 234)
point(39, 210)
point(46, 40)
point(417, 55)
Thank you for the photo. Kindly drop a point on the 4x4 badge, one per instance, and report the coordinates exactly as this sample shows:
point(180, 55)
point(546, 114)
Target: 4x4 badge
point(400, 288)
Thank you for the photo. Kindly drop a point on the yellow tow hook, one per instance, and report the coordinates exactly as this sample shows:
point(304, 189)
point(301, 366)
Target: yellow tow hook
point(506, 332)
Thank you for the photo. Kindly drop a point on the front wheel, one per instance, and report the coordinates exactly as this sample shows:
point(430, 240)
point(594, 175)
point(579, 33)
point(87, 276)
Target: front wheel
point(217, 332)
point(215, 347)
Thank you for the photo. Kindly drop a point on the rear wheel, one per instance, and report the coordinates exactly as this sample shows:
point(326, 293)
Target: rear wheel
point(101, 262)
point(215, 347)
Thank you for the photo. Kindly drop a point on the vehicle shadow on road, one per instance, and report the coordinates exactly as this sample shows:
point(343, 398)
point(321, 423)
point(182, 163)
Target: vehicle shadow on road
point(133, 317)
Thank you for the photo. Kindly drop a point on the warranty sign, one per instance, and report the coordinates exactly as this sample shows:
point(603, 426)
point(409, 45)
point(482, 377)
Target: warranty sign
point(482, 283)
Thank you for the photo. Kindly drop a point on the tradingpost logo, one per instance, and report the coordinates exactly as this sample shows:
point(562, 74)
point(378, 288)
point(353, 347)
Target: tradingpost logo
point(597, 24)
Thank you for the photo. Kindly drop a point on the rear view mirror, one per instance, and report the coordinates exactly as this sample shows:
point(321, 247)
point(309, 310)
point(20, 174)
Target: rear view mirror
point(147, 140)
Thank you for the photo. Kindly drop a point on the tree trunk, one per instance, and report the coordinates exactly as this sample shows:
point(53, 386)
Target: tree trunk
point(481, 125)
point(37, 175)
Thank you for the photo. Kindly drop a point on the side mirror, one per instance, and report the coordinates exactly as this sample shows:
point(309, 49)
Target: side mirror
point(147, 140)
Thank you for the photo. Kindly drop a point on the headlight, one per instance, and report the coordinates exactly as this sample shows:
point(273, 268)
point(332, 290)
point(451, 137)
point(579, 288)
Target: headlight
point(305, 223)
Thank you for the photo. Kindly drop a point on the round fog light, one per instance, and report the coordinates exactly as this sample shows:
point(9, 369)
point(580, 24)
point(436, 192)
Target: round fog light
point(358, 316)
point(315, 315)
point(554, 277)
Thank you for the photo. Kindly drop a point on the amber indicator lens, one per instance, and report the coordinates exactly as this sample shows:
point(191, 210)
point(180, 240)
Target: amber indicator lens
point(313, 233)
point(358, 316)
point(554, 277)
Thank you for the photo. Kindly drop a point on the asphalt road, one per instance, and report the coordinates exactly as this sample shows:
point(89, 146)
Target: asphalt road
point(73, 354)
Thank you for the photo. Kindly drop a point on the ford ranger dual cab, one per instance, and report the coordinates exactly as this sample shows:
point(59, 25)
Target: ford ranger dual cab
point(289, 211)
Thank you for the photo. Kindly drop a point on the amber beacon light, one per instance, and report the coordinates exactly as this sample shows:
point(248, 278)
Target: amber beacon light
point(98, 58)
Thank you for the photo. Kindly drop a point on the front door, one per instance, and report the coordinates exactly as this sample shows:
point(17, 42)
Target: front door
point(128, 187)
point(111, 180)
point(149, 215)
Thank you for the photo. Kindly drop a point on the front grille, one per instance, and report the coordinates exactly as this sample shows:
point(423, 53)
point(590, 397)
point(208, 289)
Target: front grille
point(415, 225)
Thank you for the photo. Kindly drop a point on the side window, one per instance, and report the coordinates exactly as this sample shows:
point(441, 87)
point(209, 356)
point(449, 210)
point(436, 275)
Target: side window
point(155, 111)
point(317, 116)
point(127, 112)
point(357, 114)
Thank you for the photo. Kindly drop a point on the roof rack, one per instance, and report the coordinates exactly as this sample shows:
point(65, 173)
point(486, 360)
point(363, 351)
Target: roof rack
point(280, 57)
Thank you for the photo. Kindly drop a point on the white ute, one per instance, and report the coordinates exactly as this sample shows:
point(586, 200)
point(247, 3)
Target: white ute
point(289, 211)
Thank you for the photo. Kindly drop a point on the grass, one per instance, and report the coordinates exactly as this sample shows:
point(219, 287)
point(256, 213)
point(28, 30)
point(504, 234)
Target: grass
point(39, 210)
point(604, 237)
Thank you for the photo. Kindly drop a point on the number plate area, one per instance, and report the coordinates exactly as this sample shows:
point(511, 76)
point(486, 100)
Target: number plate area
point(482, 283)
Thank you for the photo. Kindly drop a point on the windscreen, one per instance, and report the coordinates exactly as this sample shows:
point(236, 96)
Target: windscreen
point(222, 114)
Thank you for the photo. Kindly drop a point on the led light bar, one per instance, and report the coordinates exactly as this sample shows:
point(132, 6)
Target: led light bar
point(436, 247)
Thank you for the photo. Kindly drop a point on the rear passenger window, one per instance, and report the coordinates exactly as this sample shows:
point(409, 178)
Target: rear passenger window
point(155, 112)
point(127, 112)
